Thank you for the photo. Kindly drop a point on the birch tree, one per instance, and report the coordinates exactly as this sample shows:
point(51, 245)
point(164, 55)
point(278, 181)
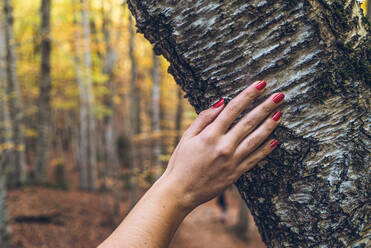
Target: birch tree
point(44, 115)
point(88, 160)
point(313, 190)
point(18, 170)
point(111, 159)
point(155, 125)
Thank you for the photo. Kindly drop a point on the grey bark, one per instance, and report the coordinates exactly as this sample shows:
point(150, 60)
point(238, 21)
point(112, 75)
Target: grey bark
point(5, 124)
point(313, 190)
point(44, 114)
point(369, 10)
point(135, 124)
point(92, 171)
point(112, 168)
point(83, 127)
point(4, 138)
point(155, 125)
point(18, 172)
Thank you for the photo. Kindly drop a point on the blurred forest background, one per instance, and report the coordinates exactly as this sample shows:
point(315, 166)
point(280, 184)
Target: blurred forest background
point(89, 118)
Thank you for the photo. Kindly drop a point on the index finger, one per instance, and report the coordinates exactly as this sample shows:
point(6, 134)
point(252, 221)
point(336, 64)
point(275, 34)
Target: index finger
point(237, 105)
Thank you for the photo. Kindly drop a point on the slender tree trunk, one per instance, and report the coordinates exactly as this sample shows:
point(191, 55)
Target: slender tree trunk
point(112, 168)
point(18, 173)
point(313, 190)
point(45, 89)
point(88, 81)
point(155, 125)
point(5, 138)
point(5, 123)
point(135, 124)
point(83, 129)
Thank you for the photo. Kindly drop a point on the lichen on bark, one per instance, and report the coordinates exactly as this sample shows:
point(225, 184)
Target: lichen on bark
point(313, 190)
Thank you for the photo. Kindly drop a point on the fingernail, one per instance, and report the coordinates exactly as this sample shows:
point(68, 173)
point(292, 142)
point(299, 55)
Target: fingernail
point(261, 85)
point(274, 143)
point(219, 103)
point(277, 116)
point(278, 98)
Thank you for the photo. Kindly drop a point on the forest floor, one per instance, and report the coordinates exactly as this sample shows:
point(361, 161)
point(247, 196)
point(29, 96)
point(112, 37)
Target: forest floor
point(47, 217)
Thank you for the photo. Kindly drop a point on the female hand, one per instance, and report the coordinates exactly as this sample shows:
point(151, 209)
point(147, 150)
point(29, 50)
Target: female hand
point(211, 155)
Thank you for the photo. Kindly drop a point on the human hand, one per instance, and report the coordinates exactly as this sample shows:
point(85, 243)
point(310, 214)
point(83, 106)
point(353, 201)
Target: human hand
point(211, 156)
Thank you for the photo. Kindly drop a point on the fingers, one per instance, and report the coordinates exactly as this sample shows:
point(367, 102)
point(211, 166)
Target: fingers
point(251, 142)
point(237, 105)
point(257, 156)
point(251, 120)
point(205, 118)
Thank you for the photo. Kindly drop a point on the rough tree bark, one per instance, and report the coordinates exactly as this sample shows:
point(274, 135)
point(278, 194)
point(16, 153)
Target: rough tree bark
point(313, 190)
point(18, 172)
point(44, 99)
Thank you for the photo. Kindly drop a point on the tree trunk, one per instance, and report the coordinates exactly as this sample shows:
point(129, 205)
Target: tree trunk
point(112, 168)
point(88, 81)
point(155, 125)
point(44, 99)
point(135, 125)
point(83, 127)
point(369, 10)
point(4, 138)
point(18, 173)
point(312, 191)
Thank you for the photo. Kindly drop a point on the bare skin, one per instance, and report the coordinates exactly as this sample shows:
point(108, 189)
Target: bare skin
point(208, 159)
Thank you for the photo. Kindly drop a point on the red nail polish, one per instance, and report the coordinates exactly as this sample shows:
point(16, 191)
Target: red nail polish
point(219, 103)
point(278, 98)
point(277, 116)
point(261, 85)
point(274, 143)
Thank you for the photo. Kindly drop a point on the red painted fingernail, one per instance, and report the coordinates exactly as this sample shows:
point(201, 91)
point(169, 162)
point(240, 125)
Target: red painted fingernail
point(219, 103)
point(274, 143)
point(278, 98)
point(277, 116)
point(261, 85)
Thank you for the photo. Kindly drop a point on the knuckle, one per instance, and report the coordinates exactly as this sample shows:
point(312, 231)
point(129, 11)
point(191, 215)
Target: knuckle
point(267, 108)
point(225, 150)
point(204, 115)
point(234, 108)
point(231, 179)
point(248, 124)
point(270, 128)
point(207, 137)
point(252, 142)
point(249, 94)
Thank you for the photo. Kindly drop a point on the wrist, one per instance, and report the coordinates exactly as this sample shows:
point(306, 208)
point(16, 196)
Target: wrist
point(172, 192)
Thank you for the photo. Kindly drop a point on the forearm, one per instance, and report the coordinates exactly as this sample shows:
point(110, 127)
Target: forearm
point(152, 222)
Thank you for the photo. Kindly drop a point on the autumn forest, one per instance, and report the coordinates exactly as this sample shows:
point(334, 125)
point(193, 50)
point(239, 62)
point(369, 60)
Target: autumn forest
point(89, 118)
